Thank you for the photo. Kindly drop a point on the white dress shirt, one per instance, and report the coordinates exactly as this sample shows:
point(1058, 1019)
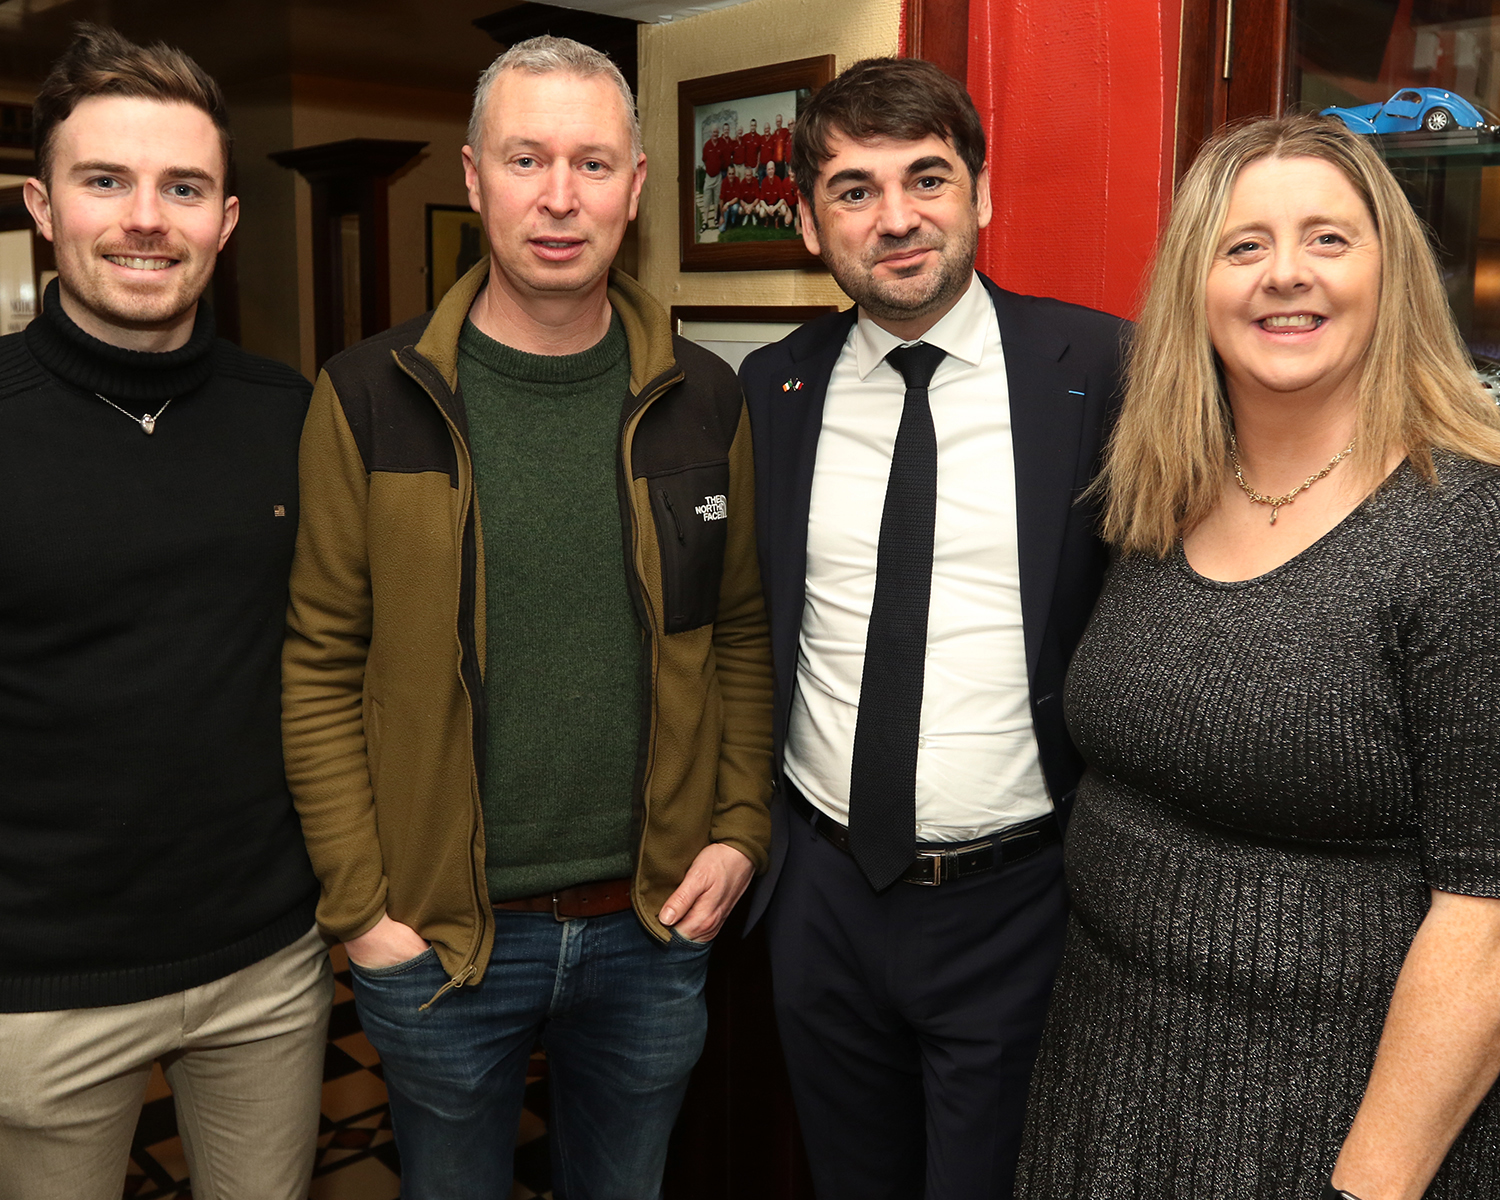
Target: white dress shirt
point(977, 763)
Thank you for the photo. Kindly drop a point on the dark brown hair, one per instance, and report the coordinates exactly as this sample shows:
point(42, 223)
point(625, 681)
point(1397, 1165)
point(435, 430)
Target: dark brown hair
point(905, 99)
point(101, 62)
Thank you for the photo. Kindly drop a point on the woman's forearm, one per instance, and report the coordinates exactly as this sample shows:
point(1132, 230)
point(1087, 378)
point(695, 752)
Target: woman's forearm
point(1439, 1053)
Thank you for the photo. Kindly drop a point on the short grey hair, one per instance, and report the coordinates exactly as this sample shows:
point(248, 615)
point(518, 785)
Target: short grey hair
point(542, 56)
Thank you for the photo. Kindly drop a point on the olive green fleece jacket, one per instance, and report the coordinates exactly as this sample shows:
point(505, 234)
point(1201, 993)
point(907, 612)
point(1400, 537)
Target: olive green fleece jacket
point(383, 697)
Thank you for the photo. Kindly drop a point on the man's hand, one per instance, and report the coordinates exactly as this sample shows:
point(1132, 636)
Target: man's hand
point(385, 944)
point(718, 877)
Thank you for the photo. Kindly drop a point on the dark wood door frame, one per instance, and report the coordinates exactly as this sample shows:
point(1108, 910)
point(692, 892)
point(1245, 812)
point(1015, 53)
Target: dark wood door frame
point(1236, 62)
point(349, 177)
point(938, 30)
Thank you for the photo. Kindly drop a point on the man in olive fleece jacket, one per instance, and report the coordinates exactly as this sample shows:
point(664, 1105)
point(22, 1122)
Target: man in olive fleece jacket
point(527, 675)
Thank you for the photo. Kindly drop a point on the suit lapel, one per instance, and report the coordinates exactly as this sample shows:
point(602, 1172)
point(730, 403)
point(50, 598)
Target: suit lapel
point(797, 420)
point(1046, 421)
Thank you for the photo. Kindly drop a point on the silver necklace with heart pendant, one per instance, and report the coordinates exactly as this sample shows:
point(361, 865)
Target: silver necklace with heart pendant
point(146, 421)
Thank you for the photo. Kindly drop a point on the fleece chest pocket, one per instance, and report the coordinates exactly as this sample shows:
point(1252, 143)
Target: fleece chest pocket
point(691, 510)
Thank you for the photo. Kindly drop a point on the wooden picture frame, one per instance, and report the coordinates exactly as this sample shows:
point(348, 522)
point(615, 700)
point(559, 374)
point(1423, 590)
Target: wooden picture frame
point(455, 241)
point(739, 98)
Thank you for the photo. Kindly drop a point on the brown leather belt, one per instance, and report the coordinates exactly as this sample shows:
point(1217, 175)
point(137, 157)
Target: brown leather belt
point(943, 862)
point(582, 900)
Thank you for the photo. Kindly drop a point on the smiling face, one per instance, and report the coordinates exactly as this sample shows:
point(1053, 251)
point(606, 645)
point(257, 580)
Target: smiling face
point(1294, 287)
point(136, 213)
point(555, 182)
point(897, 223)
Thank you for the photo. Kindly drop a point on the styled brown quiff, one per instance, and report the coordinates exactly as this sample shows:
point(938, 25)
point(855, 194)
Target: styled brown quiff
point(904, 99)
point(101, 62)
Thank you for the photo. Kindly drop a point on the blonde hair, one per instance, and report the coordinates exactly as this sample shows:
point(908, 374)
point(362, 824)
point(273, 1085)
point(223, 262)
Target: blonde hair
point(1168, 456)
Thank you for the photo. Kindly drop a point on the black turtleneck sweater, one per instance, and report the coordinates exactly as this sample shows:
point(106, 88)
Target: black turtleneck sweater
point(148, 843)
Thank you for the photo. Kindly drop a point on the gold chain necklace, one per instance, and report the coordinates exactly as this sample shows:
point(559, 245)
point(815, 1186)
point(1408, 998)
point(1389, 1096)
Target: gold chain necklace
point(1278, 502)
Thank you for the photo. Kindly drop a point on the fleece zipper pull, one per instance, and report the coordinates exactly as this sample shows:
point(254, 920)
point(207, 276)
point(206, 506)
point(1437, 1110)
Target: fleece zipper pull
point(672, 512)
point(457, 981)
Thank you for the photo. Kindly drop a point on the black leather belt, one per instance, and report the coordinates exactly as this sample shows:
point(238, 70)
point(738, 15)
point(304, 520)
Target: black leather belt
point(581, 900)
point(943, 862)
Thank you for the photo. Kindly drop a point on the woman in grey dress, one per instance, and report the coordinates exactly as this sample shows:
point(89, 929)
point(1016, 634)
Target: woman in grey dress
point(1282, 975)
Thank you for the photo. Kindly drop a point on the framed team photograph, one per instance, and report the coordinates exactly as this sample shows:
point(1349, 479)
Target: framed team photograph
point(740, 209)
point(455, 242)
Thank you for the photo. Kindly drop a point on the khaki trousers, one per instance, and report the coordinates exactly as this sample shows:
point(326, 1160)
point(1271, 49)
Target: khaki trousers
point(244, 1058)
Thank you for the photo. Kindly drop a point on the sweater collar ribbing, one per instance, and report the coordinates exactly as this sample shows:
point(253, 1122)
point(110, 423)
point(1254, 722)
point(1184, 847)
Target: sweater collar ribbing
point(84, 361)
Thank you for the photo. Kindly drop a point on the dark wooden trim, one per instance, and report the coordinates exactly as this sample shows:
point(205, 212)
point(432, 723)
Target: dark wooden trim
point(352, 158)
point(938, 30)
point(614, 36)
point(15, 126)
point(734, 85)
point(749, 312)
point(351, 176)
point(1261, 60)
point(1199, 90)
point(13, 211)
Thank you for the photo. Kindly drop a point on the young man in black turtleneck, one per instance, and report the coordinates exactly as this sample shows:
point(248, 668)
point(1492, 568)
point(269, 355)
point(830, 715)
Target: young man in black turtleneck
point(156, 901)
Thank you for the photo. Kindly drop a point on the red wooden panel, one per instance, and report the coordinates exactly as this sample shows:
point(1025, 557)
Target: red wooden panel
point(1079, 98)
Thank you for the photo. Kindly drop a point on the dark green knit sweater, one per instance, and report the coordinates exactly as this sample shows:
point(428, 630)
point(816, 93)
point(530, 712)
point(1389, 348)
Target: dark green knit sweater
point(564, 647)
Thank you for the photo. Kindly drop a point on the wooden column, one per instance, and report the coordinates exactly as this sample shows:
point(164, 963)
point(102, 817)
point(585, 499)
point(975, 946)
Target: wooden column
point(349, 178)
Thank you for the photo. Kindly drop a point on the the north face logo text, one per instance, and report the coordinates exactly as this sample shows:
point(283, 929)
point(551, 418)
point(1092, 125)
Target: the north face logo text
point(713, 508)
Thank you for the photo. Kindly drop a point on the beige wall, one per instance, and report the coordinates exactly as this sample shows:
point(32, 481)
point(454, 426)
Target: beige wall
point(326, 110)
point(749, 35)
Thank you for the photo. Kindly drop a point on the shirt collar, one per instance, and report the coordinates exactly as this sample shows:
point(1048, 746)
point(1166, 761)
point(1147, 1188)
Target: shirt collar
point(961, 332)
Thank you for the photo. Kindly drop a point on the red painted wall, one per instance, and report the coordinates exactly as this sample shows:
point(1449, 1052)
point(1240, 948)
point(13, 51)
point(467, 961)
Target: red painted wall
point(1079, 100)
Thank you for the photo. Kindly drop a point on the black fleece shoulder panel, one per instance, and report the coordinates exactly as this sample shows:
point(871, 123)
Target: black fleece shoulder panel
point(695, 421)
point(396, 424)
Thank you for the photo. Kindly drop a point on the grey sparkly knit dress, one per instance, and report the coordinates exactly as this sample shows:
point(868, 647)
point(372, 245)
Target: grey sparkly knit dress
point(1279, 771)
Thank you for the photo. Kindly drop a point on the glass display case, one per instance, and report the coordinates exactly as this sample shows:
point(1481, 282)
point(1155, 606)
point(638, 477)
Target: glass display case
point(1421, 78)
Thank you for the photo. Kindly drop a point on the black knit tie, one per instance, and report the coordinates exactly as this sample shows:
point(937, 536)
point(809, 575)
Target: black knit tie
point(883, 778)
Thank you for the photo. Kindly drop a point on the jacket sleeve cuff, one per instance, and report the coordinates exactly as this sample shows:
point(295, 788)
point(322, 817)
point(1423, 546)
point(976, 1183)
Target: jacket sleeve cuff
point(754, 850)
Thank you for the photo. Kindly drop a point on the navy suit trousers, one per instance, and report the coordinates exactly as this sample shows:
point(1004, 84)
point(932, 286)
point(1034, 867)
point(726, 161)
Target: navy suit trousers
point(911, 1018)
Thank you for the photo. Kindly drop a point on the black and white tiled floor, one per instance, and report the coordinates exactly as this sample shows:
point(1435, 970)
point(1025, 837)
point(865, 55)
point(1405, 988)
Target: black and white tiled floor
point(356, 1154)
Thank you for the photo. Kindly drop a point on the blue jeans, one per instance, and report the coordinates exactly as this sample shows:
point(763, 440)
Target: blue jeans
point(622, 1019)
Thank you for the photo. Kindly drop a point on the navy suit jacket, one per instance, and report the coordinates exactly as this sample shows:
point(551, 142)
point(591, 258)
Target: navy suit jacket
point(1062, 365)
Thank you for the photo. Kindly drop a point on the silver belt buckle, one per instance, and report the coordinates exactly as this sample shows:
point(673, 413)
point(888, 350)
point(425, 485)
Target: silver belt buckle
point(936, 858)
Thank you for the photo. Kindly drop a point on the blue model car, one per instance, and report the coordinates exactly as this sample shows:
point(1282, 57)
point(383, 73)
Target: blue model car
point(1410, 109)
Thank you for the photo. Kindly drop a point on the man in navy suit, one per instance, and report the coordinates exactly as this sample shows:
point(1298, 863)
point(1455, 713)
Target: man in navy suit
point(929, 570)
